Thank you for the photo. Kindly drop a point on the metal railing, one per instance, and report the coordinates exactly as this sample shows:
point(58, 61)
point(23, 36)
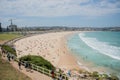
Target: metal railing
point(44, 70)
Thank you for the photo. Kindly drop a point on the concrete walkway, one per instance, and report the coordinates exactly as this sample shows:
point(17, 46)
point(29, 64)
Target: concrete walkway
point(34, 75)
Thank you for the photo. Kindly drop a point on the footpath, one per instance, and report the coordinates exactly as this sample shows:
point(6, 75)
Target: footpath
point(34, 75)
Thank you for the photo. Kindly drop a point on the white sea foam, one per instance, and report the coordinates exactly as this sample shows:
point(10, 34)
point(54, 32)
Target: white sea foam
point(102, 47)
point(82, 66)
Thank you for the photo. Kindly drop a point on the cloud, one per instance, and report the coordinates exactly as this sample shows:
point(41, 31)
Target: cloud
point(53, 8)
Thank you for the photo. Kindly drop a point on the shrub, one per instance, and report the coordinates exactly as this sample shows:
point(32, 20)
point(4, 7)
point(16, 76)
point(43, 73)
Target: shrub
point(38, 60)
point(114, 77)
point(9, 49)
point(105, 76)
point(95, 74)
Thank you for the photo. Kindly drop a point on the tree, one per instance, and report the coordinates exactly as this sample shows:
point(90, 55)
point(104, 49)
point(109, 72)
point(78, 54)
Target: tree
point(0, 28)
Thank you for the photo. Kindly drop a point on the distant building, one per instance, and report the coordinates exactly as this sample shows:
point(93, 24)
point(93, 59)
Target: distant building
point(12, 27)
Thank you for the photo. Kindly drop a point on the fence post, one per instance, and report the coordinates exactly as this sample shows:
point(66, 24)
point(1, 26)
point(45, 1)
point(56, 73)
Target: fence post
point(37, 68)
point(32, 66)
point(49, 73)
point(43, 70)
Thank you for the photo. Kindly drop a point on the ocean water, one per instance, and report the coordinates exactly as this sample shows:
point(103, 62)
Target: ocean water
point(97, 50)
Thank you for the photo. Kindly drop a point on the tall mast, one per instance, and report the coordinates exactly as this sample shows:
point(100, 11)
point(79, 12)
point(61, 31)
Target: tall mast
point(11, 21)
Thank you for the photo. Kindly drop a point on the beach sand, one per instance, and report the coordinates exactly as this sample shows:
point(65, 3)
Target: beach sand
point(51, 46)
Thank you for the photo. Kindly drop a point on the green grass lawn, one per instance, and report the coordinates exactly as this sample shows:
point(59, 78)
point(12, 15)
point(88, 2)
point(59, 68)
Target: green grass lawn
point(8, 36)
point(7, 72)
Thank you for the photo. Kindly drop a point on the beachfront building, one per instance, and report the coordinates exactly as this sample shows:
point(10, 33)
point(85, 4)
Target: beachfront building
point(12, 27)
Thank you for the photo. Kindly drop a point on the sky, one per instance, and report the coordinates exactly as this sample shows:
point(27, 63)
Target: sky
point(73, 13)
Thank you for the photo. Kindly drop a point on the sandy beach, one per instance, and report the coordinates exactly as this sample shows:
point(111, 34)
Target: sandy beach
point(51, 46)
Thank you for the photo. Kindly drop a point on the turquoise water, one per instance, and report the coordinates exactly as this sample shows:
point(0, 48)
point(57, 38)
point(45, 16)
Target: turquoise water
point(99, 48)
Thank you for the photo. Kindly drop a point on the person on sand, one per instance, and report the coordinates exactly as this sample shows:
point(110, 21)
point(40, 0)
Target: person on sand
point(12, 57)
point(0, 49)
point(26, 65)
point(30, 67)
point(60, 77)
point(19, 64)
point(69, 73)
point(8, 56)
point(53, 74)
point(3, 53)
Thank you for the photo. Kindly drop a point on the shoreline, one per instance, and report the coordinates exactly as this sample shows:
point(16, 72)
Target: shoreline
point(71, 61)
point(86, 65)
point(80, 65)
point(91, 66)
